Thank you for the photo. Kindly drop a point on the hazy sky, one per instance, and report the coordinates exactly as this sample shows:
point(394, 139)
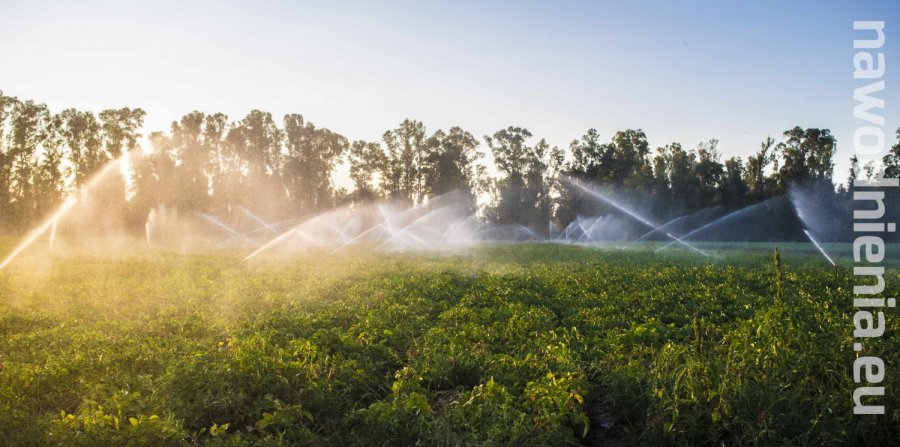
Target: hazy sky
point(736, 72)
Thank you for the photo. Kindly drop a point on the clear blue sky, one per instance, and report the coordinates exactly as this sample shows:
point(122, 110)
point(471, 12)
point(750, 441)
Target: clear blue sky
point(737, 72)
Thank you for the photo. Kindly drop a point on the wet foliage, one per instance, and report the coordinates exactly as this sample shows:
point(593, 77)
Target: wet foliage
point(529, 344)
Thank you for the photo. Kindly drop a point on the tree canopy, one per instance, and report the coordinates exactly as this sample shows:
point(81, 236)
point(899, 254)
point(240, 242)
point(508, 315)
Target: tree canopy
point(210, 163)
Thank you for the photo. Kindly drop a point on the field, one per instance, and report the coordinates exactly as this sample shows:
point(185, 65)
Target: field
point(528, 344)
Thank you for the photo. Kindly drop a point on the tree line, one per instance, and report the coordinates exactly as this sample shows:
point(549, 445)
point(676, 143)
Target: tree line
point(209, 163)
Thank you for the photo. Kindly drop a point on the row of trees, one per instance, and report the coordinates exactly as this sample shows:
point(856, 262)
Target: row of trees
point(44, 156)
point(207, 163)
point(677, 181)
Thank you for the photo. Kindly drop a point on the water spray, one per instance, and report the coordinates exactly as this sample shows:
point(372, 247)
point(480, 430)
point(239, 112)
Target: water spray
point(220, 224)
point(665, 225)
point(270, 227)
point(456, 226)
point(635, 216)
point(37, 232)
point(358, 237)
point(405, 230)
point(718, 221)
point(53, 234)
point(806, 224)
point(258, 220)
point(270, 243)
point(63, 209)
point(529, 231)
point(816, 243)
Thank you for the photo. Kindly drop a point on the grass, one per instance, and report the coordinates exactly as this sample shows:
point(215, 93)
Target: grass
point(532, 344)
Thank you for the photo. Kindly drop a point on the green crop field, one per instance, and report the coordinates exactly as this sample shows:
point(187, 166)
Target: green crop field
point(526, 344)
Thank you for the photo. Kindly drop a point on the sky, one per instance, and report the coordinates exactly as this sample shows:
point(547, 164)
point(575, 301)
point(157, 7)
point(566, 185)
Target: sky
point(735, 71)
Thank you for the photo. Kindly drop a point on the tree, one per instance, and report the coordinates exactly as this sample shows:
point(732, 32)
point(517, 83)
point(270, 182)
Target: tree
point(311, 157)
point(807, 155)
point(49, 179)
point(708, 172)
point(405, 154)
point(630, 168)
point(854, 172)
point(7, 103)
point(253, 153)
point(661, 190)
point(755, 174)
point(366, 161)
point(733, 190)
point(81, 134)
point(588, 156)
point(215, 127)
point(529, 174)
point(682, 182)
point(120, 132)
point(29, 122)
point(891, 161)
point(449, 163)
point(193, 156)
point(153, 174)
point(542, 180)
point(256, 142)
point(511, 154)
